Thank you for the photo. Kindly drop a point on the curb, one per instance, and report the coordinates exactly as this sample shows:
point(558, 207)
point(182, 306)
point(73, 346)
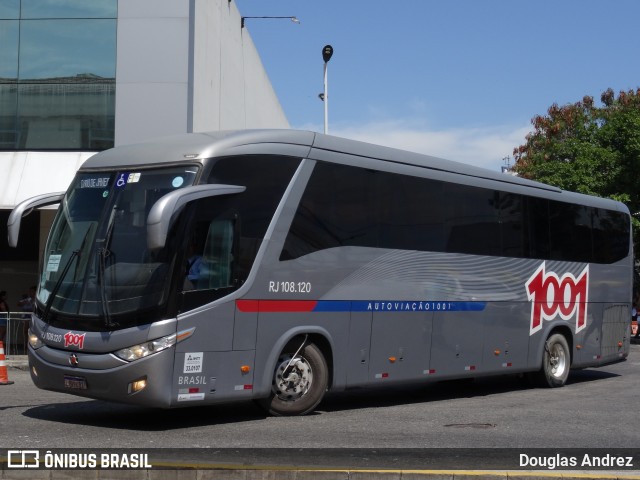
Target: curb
point(276, 474)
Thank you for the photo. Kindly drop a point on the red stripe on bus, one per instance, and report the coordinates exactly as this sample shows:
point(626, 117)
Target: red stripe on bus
point(248, 305)
point(272, 306)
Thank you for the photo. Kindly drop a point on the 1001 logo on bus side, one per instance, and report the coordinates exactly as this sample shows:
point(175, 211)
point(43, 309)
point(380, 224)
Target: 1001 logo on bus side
point(552, 295)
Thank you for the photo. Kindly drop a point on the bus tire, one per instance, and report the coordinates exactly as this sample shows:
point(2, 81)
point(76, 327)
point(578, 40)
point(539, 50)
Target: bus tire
point(299, 383)
point(556, 362)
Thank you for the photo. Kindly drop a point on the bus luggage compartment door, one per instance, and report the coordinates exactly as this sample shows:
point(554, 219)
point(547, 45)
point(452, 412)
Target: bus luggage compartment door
point(457, 344)
point(615, 332)
point(400, 345)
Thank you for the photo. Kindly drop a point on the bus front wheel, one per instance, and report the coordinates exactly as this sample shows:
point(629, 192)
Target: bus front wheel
point(299, 381)
point(556, 362)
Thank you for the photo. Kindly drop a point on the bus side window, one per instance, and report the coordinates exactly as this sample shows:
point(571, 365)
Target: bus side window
point(215, 269)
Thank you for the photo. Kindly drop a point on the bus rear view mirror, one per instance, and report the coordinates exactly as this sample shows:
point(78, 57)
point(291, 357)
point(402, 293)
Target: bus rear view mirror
point(23, 209)
point(166, 209)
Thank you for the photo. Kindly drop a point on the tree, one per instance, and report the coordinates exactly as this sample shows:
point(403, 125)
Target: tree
point(589, 149)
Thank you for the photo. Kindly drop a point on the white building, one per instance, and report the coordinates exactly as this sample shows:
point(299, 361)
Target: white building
point(77, 77)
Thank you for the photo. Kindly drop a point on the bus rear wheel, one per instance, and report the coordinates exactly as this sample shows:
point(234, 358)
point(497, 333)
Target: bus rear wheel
point(556, 362)
point(299, 382)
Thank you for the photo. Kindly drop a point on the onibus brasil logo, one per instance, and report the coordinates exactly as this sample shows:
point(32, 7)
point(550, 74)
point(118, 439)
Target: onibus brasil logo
point(552, 295)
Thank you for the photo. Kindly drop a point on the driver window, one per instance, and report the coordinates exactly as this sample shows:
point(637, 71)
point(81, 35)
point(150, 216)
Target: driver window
point(215, 266)
point(210, 257)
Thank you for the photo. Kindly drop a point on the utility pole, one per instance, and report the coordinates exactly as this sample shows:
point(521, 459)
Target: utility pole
point(327, 52)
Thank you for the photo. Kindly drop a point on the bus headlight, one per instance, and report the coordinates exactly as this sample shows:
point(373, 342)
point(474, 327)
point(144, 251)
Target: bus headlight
point(142, 350)
point(34, 340)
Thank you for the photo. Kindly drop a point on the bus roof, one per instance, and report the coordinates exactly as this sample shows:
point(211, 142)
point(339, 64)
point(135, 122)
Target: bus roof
point(196, 147)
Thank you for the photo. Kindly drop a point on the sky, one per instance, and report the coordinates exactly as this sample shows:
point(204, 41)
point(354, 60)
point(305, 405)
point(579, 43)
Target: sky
point(458, 79)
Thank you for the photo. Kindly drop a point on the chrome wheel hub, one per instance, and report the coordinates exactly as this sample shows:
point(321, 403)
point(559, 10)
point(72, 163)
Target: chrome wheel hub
point(293, 377)
point(558, 361)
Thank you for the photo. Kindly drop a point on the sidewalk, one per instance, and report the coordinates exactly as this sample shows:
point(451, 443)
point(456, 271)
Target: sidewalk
point(20, 362)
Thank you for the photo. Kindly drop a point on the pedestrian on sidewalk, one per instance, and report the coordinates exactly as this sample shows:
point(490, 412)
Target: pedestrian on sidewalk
point(635, 314)
point(26, 305)
point(4, 315)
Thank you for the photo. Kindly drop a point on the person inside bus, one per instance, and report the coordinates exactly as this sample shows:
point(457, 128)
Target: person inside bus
point(194, 263)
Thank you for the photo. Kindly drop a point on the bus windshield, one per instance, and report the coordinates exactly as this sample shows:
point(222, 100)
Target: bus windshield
point(97, 272)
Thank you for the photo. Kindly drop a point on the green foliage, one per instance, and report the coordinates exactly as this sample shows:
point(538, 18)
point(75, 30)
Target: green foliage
point(589, 149)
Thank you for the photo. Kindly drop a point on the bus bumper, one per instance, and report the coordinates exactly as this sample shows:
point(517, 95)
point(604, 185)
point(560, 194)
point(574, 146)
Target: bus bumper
point(142, 382)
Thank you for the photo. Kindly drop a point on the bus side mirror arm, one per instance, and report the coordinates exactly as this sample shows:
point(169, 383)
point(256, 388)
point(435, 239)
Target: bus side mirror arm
point(23, 209)
point(167, 208)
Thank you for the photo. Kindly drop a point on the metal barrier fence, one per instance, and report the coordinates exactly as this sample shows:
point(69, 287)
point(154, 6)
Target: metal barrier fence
point(17, 324)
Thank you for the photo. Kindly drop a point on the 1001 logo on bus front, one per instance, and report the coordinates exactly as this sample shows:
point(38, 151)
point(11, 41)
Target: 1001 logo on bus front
point(552, 296)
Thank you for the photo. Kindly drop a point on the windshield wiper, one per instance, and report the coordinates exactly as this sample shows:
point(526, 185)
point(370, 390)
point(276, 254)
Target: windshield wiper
point(74, 254)
point(103, 253)
point(56, 287)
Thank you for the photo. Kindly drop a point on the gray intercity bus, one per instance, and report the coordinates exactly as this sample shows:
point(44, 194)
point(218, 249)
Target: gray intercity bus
point(276, 265)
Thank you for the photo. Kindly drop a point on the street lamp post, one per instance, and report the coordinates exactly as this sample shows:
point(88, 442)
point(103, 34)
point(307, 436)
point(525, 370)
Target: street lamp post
point(327, 52)
point(293, 19)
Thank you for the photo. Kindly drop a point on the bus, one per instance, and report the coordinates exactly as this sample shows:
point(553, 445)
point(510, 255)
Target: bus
point(278, 265)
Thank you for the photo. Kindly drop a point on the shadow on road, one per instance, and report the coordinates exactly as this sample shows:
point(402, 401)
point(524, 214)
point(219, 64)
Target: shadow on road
point(445, 390)
point(117, 416)
point(128, 417)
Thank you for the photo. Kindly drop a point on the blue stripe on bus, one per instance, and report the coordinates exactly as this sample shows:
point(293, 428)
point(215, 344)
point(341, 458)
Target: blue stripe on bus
point(408, 306)
point(357, 306)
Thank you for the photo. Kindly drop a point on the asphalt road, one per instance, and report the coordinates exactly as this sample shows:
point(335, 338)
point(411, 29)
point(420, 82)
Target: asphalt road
point(599, 408)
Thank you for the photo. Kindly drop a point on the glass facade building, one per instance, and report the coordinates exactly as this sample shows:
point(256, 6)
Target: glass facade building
point(57, 74)
point(81, 76)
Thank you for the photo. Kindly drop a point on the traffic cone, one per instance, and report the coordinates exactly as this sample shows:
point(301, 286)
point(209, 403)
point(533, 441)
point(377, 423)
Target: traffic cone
point(4, 375)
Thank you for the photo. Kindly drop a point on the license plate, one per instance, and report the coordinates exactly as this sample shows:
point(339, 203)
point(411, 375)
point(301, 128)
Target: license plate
point(76, 383)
